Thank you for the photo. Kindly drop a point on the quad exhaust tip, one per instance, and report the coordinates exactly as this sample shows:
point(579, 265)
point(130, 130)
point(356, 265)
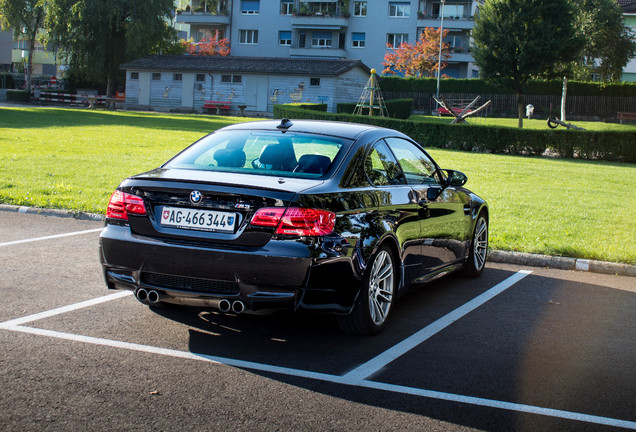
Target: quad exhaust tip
point(151, 297)
point(238, 307)
point(226, 306)
point(141, 295)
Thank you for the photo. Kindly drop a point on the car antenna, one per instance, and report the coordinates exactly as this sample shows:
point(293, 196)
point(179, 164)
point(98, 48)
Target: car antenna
point(284, 125)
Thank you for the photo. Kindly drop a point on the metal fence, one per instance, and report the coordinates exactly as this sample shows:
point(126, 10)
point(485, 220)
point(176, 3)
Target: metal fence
point(581, 107)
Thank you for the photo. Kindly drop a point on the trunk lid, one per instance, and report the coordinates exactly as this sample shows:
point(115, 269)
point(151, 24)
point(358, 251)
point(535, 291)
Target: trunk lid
point(220, 210)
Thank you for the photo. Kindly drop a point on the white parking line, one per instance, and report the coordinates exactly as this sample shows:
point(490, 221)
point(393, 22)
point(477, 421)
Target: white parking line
point(357, 377)
point(374, 365)
point(64, 309)
point(56, 236)
point(336, 379)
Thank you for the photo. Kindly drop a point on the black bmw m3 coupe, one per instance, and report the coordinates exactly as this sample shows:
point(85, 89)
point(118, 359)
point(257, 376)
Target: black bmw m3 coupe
point(300, 215)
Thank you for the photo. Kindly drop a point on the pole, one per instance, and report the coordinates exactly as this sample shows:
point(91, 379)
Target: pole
point(372, 80)
point(439, 58)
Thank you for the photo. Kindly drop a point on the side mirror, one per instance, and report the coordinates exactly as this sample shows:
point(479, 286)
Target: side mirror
point(455, 178)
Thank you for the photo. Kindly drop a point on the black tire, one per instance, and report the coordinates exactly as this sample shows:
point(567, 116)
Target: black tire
point(478, 248)
point(377, 295)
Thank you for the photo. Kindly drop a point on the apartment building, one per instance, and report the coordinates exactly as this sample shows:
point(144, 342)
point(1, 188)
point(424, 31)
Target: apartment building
point(629, 14)
point(330, 29)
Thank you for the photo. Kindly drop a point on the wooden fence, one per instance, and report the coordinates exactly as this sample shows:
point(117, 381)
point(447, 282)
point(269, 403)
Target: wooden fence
point(577, 107)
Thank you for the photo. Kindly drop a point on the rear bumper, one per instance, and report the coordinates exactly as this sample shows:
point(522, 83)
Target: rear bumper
point(284, 274)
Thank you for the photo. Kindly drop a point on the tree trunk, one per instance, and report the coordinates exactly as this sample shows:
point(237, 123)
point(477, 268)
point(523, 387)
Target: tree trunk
point(109, 87)
point(28, 73)
point(520, 108)
point(564, 94)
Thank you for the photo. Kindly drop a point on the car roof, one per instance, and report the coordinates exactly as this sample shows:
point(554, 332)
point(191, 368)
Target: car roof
point(339, 129)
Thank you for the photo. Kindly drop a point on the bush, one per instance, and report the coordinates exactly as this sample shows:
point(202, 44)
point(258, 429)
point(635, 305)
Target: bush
point(18, 95)
point(399, 108)
point(311, 106)
point(612, 146)
point(396, 108)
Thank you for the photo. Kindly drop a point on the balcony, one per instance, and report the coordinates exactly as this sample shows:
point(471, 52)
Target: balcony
point(202, 18)
point(319, 22)
point(203, 12)
point(461, 55)
point(463, 23)
point(317, 52)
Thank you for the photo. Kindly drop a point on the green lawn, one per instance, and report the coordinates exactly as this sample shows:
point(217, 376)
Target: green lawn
point(74, 159)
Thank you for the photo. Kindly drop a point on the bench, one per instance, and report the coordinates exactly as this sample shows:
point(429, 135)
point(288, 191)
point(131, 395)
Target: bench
point(625, 116)
point(217, 106)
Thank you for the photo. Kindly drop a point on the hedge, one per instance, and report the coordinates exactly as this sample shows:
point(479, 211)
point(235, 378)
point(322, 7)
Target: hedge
point(610, 146)
point(18, 95)
point(310, 106)
point(477, 86)
point(397, 108)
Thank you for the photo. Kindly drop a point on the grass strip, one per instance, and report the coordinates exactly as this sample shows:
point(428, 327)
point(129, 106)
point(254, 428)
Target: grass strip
point(74, 159)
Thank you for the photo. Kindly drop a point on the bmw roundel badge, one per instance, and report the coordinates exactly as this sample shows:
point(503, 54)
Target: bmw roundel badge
point(196, 196)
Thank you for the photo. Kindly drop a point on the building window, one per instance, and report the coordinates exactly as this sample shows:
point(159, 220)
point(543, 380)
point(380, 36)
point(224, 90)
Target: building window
point(286, 7)
point(156, 76)
point(134, 75)
point(450, 11)
point(284, 38)
point(237, 79)
point(248, 37)
point(200, 77)
point(395, 39)
point(177, 77)
point(321, 39)
point(359, 8)
point(250, 7)
point(302, 39)
point(399, 9)
point(314, 82)
point(358, 40)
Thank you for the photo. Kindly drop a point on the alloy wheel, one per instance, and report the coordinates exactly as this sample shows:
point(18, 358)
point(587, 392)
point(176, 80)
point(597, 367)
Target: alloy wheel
point(381, 287)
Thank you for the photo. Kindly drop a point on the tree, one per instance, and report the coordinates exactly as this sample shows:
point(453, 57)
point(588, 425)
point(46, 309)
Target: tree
point(210, 46)
point(25, 17)
point(517, 40)
point(609, 44)
point(98, 36)
point(419, 59)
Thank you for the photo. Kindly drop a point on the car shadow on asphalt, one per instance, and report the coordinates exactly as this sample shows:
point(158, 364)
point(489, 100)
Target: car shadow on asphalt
point(545, 342)
point(313, 342)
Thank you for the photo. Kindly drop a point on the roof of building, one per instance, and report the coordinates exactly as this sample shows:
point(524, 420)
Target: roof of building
point(628, 6)
point(262, 65)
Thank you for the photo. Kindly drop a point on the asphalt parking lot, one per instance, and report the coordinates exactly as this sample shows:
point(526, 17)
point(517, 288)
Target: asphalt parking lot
point(521, 348)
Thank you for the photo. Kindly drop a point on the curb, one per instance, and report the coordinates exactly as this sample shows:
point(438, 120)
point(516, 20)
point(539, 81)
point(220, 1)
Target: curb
point(562, 263)
point(504, 257)
point(52, 212)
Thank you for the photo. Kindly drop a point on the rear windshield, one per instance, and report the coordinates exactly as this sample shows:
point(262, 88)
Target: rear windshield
point(262, 152)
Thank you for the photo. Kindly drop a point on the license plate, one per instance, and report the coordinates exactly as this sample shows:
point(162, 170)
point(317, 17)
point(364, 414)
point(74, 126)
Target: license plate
point(203, 220)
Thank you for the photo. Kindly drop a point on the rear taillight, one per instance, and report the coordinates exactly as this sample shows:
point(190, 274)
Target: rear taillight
point(296, 221)
point(122, 204)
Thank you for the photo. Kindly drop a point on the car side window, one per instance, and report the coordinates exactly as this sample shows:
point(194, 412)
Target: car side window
point(418, 168)
point(381, 167)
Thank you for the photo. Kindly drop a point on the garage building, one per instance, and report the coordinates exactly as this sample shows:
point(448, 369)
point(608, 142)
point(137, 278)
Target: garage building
point(255, 85)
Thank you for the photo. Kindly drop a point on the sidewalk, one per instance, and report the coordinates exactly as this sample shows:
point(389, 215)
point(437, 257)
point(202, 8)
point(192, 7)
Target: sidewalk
point(506, 257)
